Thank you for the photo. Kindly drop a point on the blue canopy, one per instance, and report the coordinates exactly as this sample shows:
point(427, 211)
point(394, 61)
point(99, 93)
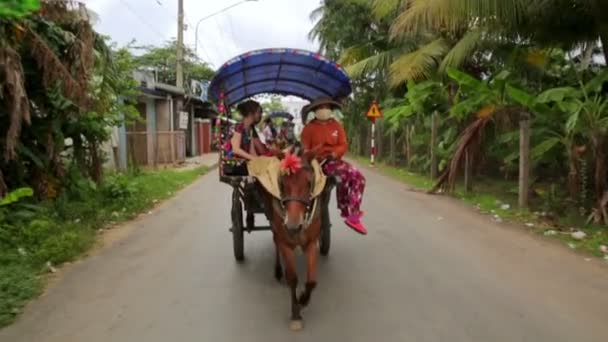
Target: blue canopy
point(279, 71)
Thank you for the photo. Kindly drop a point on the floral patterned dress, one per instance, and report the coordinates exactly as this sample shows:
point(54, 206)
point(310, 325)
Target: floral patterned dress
point(232, 163)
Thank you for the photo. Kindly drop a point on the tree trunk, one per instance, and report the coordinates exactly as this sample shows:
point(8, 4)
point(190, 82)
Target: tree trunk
point(393, 157)
point(524, 160)
point(96, 166)
point(408, 146)
point(379, 140)
point(604, 39)
point(434, 128)
point(587, 55)
point(3, 187)
point(573, 175)
point(600, 167)
point(468, 171)
point(79, 154)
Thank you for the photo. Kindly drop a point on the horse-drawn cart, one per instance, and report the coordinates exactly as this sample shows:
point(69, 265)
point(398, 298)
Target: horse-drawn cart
point(273, 71)
point(246, 198)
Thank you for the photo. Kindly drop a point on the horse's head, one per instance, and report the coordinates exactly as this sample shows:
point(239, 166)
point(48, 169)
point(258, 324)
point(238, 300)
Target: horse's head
point(296, 183)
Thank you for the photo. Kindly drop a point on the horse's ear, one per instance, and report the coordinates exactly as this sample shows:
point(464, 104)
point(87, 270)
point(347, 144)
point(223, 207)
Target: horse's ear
point(309, 156)
point(276, 153)
point(297, 149)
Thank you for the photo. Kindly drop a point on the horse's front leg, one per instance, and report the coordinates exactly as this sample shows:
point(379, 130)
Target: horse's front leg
point(291, 277)
point(311, 273)
point(278, 270)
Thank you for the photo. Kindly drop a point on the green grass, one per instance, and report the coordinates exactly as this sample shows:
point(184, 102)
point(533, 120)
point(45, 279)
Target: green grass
point(498, 198)
point(416, 180)
point(32, 236)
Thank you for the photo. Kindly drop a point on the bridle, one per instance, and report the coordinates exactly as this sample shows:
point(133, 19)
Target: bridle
point(309, 202)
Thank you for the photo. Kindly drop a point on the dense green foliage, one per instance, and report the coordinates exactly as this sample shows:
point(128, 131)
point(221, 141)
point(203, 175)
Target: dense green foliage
point(63, 88)
point(272, 104)
point(481, 66)
point(164, 60)
point(18, 8)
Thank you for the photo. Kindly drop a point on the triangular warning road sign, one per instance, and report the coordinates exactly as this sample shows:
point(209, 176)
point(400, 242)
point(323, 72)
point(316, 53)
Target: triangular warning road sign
point(374, 112)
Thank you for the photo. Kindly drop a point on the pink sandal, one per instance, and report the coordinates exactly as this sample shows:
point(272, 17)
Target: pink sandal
point(354, 222)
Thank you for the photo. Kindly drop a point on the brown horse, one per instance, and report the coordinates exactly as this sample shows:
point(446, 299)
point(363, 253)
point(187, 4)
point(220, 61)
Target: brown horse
point(296, 222)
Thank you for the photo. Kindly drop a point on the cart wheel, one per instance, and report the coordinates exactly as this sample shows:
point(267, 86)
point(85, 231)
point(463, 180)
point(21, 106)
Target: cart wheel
point(237, 226)
point(325, 240)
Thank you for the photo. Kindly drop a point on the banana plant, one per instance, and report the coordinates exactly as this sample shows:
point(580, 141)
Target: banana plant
point(586, 111)
point(421, 99)
point(484, 97)
point(411, 113)
point(15, 195)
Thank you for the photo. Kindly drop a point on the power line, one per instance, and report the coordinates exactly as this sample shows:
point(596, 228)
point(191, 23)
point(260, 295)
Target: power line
point(219, 29)
point(141, 19)
point(159, 3)
point(231, 28)
point(189, 24)
point(200, 44)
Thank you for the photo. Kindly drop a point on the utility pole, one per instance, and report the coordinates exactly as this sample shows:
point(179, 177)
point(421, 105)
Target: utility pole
point(179, 78)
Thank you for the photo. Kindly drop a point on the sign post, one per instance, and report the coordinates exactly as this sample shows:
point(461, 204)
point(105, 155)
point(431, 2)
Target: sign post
point(373, 113)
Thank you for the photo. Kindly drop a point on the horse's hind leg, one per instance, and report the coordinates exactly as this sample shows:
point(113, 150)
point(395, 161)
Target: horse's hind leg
point(311, 274)
point(278, 270)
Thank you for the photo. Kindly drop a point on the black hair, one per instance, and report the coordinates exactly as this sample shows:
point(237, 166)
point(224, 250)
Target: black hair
point(248, 108)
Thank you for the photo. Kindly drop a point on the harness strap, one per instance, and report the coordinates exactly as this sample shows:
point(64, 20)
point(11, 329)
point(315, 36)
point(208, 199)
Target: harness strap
point(278, 208)
point(311, 213)
point(311, 210)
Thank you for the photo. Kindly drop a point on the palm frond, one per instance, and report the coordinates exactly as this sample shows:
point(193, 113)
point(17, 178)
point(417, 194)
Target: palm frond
point(13, 88)
point(358, 67)
point(383, 8)
point(53, 69)
point(454, 15)
point(317, 13)
point(419, 64)
point(463, 49)
point(422, 15)
point(356, 53)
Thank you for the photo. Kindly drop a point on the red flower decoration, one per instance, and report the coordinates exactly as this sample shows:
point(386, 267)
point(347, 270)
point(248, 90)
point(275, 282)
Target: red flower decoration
point(291, 164)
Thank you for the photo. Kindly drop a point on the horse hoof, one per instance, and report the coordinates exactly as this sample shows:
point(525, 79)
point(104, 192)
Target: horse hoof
point(296, 325)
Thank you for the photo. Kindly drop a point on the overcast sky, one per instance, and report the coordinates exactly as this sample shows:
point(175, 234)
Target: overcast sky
point(248, 26)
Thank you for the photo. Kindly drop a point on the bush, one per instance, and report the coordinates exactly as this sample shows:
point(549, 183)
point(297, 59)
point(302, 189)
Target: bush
point(18, 283)
point(118, 187)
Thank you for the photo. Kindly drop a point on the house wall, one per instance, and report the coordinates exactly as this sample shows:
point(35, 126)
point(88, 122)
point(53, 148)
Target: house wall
point(166, 139)
point(163, 115)
point(137, 140)
point(140, 125)
point(163, 127)
point(150, 140)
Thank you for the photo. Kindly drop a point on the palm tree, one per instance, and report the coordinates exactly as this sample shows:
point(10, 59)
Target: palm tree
point(47, 65)
point(467, 26)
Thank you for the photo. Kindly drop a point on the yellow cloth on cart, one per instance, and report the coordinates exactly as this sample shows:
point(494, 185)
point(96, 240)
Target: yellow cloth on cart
point(267, 170)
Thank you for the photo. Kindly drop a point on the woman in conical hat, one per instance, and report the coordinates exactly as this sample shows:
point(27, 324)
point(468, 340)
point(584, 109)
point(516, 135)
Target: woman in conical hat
point(327, 135)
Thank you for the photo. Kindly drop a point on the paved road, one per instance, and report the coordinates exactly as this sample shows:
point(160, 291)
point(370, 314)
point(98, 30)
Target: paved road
point(414, 278)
